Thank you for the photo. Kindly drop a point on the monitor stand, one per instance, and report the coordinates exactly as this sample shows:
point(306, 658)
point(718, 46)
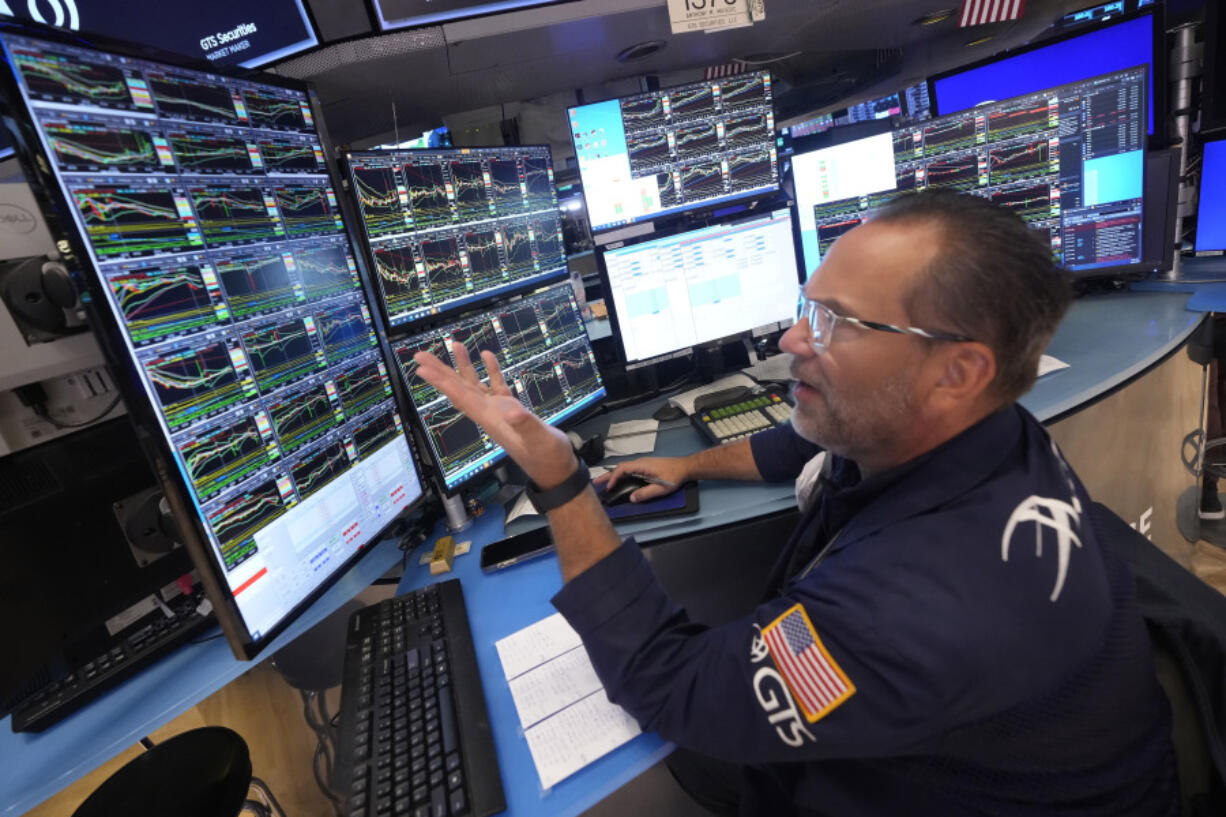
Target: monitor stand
point(509, 488)
point(457, 514)
point(715, 361)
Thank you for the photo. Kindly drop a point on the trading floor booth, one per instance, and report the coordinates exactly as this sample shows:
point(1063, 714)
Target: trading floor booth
point(257, 295)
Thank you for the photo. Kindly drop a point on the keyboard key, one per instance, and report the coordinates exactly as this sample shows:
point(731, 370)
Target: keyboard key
point(438, 803)
point(458, 805)
point(455, 780)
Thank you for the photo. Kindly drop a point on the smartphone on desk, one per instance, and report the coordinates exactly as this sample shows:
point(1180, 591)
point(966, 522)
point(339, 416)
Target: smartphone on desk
point(517, 548)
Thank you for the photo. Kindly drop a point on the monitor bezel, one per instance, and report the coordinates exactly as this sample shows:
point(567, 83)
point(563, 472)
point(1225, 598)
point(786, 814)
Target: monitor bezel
point(671, 232)
point(1157, 66)
point(684, 212)
point(417, 325)
point(36, 166)
point(1197, 249)
point(1213, 94)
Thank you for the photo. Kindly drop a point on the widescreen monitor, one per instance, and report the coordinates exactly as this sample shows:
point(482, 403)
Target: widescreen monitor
point(448, 228)
point(673, 293)
point(546, 359)
point(880, 108)
point(663, 152)
point(1211, 211)
point(1115, 46)
point(220, 32)
point(1070, 160)
point(221, 280)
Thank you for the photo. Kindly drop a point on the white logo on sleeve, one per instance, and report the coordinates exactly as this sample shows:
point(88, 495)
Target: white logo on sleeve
point(775, 698)
point(1064, 518)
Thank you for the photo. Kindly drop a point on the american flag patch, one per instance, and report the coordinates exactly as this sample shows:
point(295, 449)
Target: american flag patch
point(978, 12)
point(817, 683)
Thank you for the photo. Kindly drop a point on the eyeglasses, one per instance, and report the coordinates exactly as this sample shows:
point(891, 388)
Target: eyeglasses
point(822, 322)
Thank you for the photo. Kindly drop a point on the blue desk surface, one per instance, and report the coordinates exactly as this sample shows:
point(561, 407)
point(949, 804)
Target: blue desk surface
point(1107, 340)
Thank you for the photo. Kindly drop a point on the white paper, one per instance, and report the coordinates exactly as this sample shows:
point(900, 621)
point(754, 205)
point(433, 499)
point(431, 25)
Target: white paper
point(567, 719)
point(775, 367)
point(631, 437)
point(1047, 364)
point(534, 645)
point(521, 507)
point(583, 732)
point(538, 692)
point(685, 400)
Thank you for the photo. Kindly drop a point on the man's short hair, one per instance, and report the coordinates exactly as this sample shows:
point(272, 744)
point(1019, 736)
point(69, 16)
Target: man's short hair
point(993, 280)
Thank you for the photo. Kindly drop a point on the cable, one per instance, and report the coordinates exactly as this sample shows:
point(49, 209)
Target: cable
point(40, 409)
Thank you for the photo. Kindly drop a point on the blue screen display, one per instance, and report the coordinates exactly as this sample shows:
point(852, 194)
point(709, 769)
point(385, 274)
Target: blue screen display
point(1211, 216)
point(1113, 48)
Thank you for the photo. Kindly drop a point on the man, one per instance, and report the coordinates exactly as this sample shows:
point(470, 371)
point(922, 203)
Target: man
point(944, 633)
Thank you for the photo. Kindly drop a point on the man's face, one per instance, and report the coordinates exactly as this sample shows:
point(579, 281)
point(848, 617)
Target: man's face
point(857, 397)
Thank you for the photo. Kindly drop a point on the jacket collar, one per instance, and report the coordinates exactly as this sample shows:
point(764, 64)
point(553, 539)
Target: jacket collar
point(938, 476)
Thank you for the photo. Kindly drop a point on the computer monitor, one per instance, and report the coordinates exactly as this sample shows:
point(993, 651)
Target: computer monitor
point(880, 108)
point(223, 286)
point(677, 149)
point(1069, 160)
point(1213, 79)
point(1136, 39)
point(221, 32)
point(916, 101)
point(545, 357)
point(448, 228)
point(1211, 211)
point(673, 293)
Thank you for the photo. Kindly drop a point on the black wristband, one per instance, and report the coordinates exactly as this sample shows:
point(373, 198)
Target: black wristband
point(556, 497)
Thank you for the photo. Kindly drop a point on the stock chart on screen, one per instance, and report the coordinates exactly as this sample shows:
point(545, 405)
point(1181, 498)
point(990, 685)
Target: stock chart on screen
point(545, 356)
point(449, 228)
point(1069, 160)
point(675, 149)
point(207, 210)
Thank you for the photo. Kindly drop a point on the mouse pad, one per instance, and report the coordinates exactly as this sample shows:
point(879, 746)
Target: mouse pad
point(682, 501)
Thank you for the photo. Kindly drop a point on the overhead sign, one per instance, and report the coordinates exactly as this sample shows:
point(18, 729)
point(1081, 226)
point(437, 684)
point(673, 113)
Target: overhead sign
point(713, 15)
point(222, 32)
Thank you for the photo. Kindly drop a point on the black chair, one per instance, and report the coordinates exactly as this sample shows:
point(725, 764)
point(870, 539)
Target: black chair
point(1187, 625)
point(205, 772)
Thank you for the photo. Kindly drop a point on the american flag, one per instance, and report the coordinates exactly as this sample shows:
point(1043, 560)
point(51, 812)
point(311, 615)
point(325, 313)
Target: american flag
point(817, 682)
point(978, 12)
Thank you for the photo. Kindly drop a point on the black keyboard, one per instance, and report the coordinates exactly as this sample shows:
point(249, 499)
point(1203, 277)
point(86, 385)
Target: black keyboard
point(415, 736)
point(109, 663)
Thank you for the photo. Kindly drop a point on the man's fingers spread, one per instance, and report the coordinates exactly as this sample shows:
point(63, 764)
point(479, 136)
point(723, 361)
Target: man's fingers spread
point(464, 363)
point(497, 381)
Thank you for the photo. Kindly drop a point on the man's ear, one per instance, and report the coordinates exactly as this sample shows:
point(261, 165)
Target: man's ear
point(966, 370)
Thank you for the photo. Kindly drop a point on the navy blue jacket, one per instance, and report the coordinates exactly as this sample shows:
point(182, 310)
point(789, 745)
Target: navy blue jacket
point(967, 646)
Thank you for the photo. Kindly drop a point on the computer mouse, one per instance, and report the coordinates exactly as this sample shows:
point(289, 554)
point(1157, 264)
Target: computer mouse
point(620, 493)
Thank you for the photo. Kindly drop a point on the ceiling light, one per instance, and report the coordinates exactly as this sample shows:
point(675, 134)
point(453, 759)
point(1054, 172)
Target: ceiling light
point(979, 41)
point(639, 51)
point(933, 17)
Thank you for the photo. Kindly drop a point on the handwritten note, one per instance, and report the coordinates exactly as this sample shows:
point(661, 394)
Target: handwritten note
point(567, 720)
